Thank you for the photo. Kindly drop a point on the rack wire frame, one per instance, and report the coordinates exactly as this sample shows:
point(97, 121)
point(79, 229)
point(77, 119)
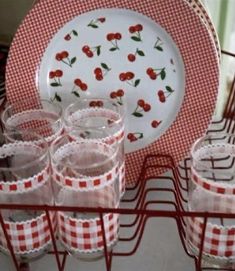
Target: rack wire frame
point(176, 208)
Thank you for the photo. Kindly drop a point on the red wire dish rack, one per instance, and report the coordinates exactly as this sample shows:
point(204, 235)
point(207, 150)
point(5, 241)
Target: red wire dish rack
point(176, 184)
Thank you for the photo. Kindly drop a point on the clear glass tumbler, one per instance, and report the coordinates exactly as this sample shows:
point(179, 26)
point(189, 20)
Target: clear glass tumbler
point(40, 116)
point(85, 174)
point(25, 179)
point(212, 189)
point(103, 116)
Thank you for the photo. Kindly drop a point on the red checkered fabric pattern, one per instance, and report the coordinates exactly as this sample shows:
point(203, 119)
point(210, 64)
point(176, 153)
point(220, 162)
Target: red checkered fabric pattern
point(180, 22)
point(86, 235)
point(200, 10)
point(28, 236)
point(219, 241)
point(84, 182)
point(206, 18)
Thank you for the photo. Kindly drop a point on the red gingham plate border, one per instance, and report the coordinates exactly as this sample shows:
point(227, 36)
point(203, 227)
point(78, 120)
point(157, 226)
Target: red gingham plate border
point(176, 17)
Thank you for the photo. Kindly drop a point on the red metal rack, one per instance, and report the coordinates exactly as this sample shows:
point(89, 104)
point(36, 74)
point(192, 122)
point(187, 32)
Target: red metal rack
point(175, 184)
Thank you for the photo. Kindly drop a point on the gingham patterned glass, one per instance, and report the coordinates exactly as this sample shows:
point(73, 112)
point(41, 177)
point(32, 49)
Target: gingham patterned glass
point(85, 173)
point(25, 179)
point(212, 189)
point(106, 117)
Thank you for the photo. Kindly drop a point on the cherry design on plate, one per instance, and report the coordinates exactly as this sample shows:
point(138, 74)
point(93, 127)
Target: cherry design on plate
point(101, 71)
point(117, 95)
point(158, 45)
point(56, 98)
point(68, 36)
point(154, 73)
point(64, 57)
point(95, 23)
point(56, 75)
point(132, 57)
point(132, 137)
point(156, 123)
point(163, 95)
point(113, 39)
point(96, 104)
point(135, 31)
point(78, 85)
point(89, 51)
point(142, 107)
point(128, 77)
point(173, 64)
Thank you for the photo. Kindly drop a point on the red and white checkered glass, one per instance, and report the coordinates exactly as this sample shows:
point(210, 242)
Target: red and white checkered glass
point(25, 179)
point(40, 116)
point(85, 173)
point(212, 189)
point(104, 116)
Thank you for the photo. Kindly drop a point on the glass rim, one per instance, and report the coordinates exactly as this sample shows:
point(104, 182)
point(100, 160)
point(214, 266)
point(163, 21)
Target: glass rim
point(121, 112)
point(200, 140)
point(44, 154)
point(81, 141)
point(30, 101)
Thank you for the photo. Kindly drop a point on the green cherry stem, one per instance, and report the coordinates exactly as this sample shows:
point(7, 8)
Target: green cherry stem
point(69, 64)
point(59, 82)
point(139, 36)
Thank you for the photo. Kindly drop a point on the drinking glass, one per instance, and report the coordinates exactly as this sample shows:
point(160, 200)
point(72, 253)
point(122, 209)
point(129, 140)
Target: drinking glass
point(40, 116)
point(212, 189)
point(105, 117)
point(25, 179)
point(85, 174)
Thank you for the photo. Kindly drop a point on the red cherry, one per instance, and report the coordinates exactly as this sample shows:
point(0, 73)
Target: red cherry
point(110, 36)
point(78, 82)
point(162, 98)
point(130, 75)
point(58, 56)
point(67, 37)
point(155, 123)
point(138, 27)
point(117, 36)
point(89, 53)
point(51, 75)
point(130, 136)
point(102, 19)
point(131, 57)
point(64, 54)
point(92, 103)
point(99, 77)
point(83, 87)
point(122, 76)
point(113, 95)
point(149, 71)
point(85, 49)
point(134, 138)
point(141, 103)
point(58, 73)
point(153, 76)
point(120, 93)
point(147, 107)
point(132, 29)
point(99, 104)
point(160, 93)
point(97, 71)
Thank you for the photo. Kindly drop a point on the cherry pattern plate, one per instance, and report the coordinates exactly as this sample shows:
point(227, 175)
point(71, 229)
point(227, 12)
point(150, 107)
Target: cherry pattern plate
point(121, 55)
point(157, 57)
